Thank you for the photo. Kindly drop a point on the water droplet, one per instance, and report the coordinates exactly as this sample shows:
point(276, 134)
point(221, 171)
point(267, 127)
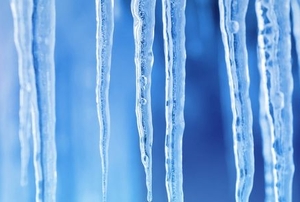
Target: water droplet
point(143, 81)
point(143, 101)
point(278, 100)
point(145, 160)
point(234, 26)
point(277, 166)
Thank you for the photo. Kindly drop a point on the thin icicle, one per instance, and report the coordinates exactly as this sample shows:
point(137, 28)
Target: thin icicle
point(22, 13)
point(104, 41)
point(37, 152)
point(143, 12)
point(296, 26)
point(282, 108)
point(175, 57)
point(43, 30)
point(232, 22)
point(274, 43)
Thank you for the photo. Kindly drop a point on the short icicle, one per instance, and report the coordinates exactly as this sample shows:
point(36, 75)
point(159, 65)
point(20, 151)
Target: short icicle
point(175, 57)
point(232, 23)
point(143, 12)
point(22, 13)
point(274, 45)
point(104, 41)
point(43, 124)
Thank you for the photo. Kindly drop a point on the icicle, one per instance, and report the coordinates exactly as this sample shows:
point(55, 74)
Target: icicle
point(232, 22)
point(22, 11)
point(43, 29)
point(296, 27)
point(104, 40)
point(266, 47)
point(281, 101)
point(143, 12)
point(274, 45)
point(175, 56)
point(37, 153)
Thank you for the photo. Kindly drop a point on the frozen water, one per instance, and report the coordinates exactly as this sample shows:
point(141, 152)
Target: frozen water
point(104, 35)
point(21, 11)
point(143, 13)
point(175, 57)
point(208, 170)
point(43, 40)
point(233, 14)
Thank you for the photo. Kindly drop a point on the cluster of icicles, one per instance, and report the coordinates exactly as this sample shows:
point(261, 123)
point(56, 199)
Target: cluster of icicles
point(34, 23)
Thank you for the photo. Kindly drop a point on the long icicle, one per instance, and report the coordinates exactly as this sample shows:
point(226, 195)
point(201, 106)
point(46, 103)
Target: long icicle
point(232, 23)
point(274, 43)
point(276, 89)
point(143, 12)
point(265, 17)
point(43, 30)
point(104, 41)
point(175, 57)
point(22, 13)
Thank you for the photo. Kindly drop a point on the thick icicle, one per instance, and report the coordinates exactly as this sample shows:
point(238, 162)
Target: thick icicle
point(296, 26)
point(175, 57)
point(43, 30)
point(104, 41)
point(274, 45)
point(232, 22)
point(281, 101)
point(265, 16)
point(22, 13)
point(143, 12)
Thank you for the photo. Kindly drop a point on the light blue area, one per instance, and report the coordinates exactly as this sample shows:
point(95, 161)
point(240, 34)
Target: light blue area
point(208, 166)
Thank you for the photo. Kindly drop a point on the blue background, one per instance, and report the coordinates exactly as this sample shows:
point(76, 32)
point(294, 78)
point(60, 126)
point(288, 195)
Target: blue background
point(208, 165)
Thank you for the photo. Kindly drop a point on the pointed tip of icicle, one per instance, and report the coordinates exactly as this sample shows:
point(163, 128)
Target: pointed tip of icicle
point(149, 197)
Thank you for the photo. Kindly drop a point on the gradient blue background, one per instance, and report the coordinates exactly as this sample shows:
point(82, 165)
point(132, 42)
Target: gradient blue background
point(209, 172)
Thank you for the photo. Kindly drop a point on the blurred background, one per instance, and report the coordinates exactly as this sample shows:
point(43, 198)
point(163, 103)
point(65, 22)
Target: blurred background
point(208, 164)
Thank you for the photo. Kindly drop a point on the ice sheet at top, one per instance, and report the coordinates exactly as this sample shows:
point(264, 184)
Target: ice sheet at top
point(274, 42)
point(22, 12)
point(43, 30)
point(143, 12)
point(175, 57)
point(232, 22)
point(104, 41)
